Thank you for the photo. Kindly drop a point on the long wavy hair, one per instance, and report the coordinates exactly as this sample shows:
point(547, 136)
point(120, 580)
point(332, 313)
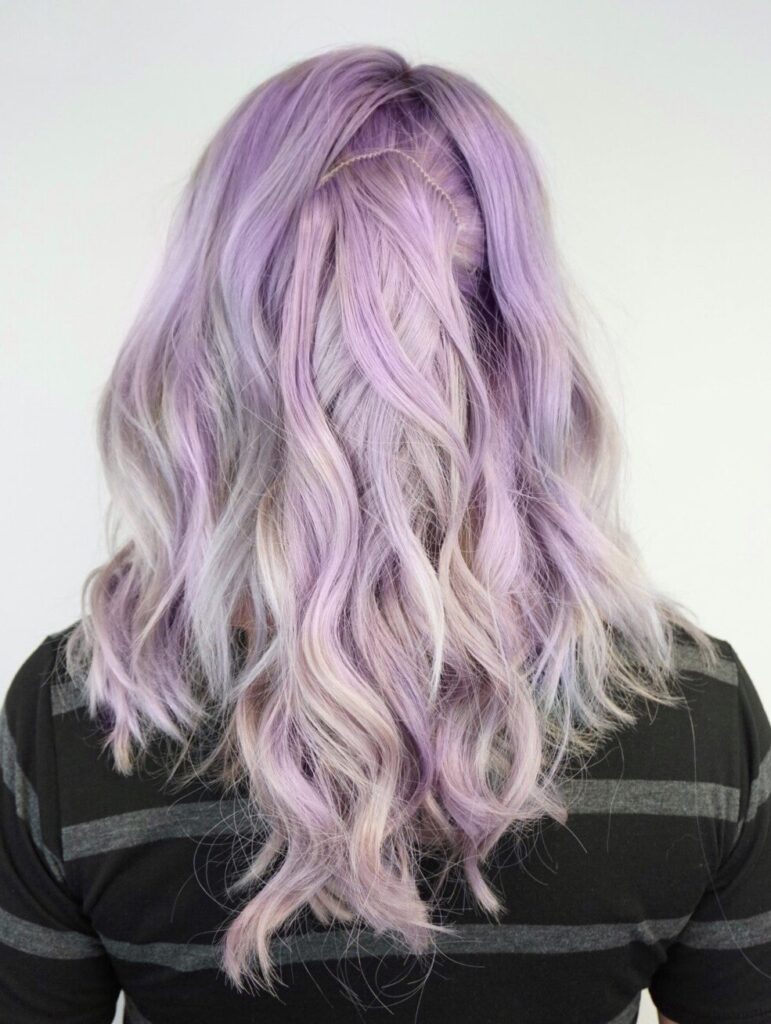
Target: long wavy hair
point(365, 525)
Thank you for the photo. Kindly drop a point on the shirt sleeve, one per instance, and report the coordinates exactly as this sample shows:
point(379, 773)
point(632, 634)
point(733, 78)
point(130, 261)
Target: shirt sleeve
point(52, 964)
point(719, 967)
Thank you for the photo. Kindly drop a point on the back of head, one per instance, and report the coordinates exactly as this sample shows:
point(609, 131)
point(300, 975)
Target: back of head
point(367, 478)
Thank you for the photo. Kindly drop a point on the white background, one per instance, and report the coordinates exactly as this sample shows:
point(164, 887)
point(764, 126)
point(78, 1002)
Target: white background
point(650, 122)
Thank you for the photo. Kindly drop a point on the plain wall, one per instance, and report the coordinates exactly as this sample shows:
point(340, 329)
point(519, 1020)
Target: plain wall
point(650, 123)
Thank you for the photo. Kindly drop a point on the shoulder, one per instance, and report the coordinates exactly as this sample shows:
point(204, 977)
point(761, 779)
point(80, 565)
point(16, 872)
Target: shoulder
point(28, 690)
point(691, 661)
point(702, 751)
point(33, 697)
point(36, 683)
point(722, 683)
point(727, 720)
point(29, 802)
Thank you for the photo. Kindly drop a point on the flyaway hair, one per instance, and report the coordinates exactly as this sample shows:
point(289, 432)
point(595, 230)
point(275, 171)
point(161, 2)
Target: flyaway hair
point(365, 527)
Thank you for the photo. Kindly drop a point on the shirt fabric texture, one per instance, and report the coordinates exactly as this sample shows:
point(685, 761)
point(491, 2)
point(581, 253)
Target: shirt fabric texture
point(660, 879)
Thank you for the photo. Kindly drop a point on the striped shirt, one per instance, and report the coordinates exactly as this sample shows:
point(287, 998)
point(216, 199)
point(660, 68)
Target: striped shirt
point(659, 879)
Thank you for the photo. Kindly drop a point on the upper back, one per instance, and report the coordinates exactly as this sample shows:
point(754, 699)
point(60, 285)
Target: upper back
point(660, 877)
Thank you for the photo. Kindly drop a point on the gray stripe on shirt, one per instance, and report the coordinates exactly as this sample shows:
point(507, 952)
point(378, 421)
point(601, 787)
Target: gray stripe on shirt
point(67, 695)
point(133, 828)
point(730, 933)
point(470, 939)
point(652, 796)
point(38, 940)
point(25, 797)
point(584, 796)
point(665, 798)
point(689, 659)
point(760, 789)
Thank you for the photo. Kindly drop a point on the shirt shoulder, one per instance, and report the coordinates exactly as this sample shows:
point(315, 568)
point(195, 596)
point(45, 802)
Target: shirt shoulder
point(28, 747)
point(719, 965)
point(728, 722)
point(712, 735)
point(29, 685)
point(52, 962)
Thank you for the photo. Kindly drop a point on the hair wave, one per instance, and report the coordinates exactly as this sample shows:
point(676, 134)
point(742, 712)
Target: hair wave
point(368, 482)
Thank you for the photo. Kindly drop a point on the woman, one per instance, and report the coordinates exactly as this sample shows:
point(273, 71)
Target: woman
point(373, 708)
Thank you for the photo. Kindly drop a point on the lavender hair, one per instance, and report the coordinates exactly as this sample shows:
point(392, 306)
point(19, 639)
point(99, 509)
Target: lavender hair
point(367, 476)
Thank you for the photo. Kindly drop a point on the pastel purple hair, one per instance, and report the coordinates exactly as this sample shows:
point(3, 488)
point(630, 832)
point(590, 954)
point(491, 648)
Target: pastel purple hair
point(367, 477)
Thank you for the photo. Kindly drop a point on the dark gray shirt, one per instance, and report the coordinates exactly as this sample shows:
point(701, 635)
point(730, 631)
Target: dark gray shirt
point(660, 879)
